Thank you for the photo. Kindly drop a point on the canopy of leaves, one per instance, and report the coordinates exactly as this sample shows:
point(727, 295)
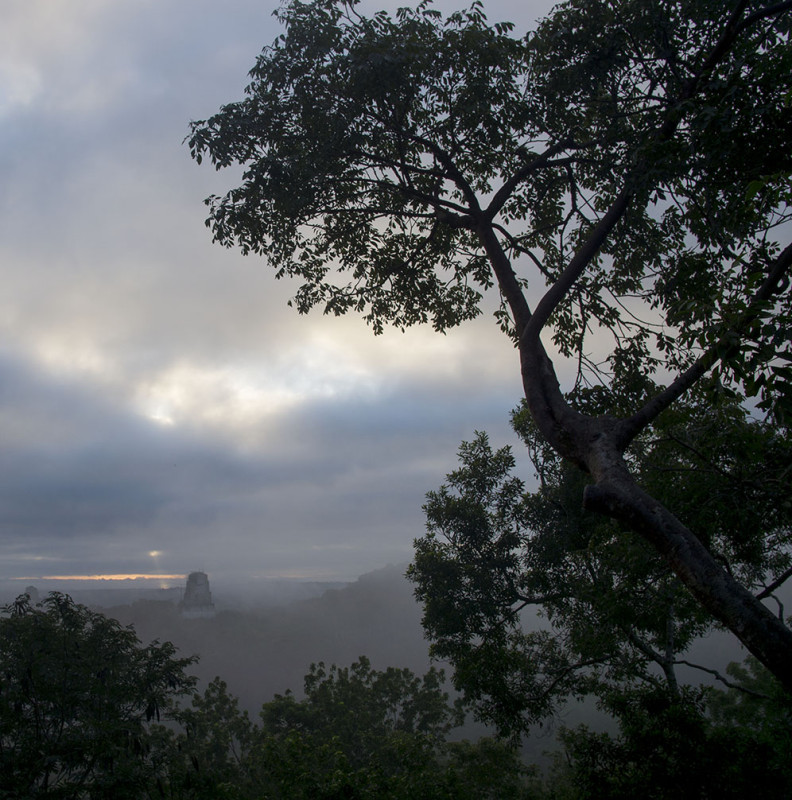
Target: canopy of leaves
point(385, 156)
point(669, 747)
point(82, 707)
point(78, 695)
point(358, 732)
point(611, 614)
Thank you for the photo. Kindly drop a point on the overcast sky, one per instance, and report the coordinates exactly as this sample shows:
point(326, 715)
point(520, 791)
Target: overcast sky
point(156, 393)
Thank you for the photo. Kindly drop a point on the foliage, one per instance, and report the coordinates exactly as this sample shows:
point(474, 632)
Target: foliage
point(760, 718)
point(373, 145)
point(379, 729)
point(78, 697)
point(86, 711)
point(671, 748)
point(344, 132)
point(612, 617)
point(358, 732)
point(632, 157)
point(206, 757)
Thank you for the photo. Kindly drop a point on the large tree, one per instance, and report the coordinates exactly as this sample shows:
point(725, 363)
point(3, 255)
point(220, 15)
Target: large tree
point(621, 176)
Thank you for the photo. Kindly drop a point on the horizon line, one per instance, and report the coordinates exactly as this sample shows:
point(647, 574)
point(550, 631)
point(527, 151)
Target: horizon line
point(132, 576)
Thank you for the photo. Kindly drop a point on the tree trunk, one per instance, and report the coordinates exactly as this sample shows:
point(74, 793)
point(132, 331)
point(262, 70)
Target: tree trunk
point(616, 494)
point(596, 445)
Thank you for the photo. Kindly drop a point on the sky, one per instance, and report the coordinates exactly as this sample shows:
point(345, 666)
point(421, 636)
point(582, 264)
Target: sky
point(162, 410)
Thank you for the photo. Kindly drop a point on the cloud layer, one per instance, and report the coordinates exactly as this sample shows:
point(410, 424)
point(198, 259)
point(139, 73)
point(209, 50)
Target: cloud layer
point(156, 394)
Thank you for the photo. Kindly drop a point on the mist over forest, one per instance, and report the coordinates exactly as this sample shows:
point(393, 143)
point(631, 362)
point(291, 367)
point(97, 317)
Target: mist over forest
point(265, 636)
point(266, 649)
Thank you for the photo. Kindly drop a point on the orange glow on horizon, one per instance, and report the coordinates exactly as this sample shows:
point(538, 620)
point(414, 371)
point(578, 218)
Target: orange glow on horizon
point(118, 577)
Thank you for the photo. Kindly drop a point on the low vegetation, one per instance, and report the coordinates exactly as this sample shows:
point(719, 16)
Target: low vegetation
point(88, 711)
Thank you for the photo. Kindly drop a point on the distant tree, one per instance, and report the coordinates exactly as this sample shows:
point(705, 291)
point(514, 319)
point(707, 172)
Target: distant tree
point(632, 156)
point(206, 756)
point(357, 733)
point(78, 696)
point(613, 617)
point(376, 732)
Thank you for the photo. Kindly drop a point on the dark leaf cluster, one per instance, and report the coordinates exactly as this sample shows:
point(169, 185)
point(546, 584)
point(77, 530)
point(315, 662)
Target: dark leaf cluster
point(78, 697)
point(534, 600)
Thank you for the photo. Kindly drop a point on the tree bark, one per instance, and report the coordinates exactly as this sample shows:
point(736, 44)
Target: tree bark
point(596, 445)
point(617, 495)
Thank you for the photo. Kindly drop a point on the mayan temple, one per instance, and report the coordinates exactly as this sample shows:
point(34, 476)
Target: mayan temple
point(197, 601)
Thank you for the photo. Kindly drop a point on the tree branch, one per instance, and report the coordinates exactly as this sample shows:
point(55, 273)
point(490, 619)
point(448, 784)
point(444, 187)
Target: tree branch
point(616, 495)
point(785, 575)
point(763, 13)
point(505, 191)
point(725, 681)
point(629, 428)
point(580, 261)
point(504, 274)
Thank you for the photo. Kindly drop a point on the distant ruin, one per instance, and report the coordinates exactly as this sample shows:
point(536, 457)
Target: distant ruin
point(197, 601)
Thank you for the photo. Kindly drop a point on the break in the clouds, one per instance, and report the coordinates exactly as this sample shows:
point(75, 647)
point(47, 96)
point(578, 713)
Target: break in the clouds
point(156, 393)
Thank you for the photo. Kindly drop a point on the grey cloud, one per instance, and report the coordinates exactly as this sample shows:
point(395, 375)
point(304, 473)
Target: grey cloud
point(84, 475)
point(110, 281)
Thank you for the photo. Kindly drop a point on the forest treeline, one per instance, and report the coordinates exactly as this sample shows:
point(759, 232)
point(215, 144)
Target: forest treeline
point(88, 711)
